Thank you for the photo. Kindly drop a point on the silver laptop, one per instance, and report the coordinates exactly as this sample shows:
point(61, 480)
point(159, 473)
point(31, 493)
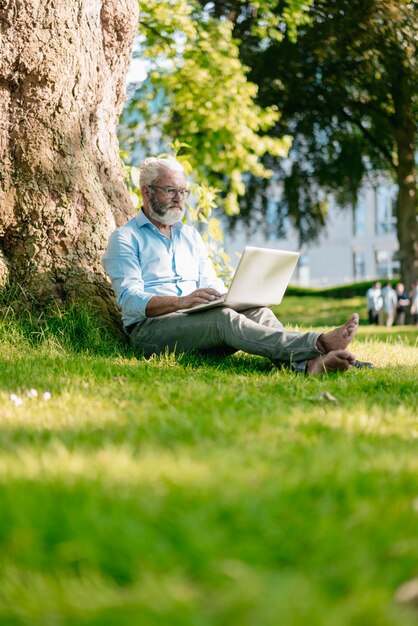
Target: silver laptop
point(261, 279)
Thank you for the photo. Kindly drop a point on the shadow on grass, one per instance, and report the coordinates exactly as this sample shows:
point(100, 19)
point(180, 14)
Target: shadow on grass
point(68, 370)
point(173, 401)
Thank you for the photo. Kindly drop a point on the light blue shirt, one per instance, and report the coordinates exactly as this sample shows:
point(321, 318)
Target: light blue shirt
point(388, 299)
point(142, 263)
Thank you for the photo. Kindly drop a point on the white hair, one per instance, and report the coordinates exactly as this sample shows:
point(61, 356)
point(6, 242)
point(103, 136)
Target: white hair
point(151, 167)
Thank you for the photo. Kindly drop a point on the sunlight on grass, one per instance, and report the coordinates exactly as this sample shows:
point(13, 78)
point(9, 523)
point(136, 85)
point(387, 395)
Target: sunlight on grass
point(390, 354)
point(185, 490)
point(318, 311)
point(111, 465)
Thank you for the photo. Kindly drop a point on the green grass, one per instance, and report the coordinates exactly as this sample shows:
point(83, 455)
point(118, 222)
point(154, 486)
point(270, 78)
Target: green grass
point(348, 290)
point(183, 491)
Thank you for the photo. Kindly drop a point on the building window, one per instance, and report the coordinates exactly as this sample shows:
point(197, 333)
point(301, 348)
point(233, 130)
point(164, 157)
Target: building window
point(277, 224)
point(304, 270)
point(359, 265)
point(386, 209)
point(271, 219)
point(359, 216)
point(387, 264)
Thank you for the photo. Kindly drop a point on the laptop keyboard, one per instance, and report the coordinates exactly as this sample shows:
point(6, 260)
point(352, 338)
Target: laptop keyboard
point(207, 305)
point(217, 301)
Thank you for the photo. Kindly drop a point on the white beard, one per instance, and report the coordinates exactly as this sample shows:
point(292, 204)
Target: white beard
point(163, 214)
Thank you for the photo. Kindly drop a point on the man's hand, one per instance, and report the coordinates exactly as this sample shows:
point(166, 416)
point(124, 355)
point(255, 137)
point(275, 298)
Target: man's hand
point(200, 296)
point(161, 305)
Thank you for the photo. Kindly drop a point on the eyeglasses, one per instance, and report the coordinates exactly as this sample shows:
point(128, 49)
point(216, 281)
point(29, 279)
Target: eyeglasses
point(172, 191)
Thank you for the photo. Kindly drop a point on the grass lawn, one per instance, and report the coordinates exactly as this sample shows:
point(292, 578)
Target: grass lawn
point(182, 491)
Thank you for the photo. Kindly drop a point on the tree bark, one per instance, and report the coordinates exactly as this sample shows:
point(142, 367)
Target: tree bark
point(62, 70)
point(407, 225)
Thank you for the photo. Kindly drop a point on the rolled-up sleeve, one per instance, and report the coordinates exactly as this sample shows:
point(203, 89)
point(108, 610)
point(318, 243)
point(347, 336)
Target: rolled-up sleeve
point(123, 265)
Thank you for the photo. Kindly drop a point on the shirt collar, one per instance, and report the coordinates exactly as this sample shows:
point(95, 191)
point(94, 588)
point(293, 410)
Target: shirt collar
point(142, 220)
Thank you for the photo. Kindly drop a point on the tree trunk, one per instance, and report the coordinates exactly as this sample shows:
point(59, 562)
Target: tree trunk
point(407, 204)
point(62, 70)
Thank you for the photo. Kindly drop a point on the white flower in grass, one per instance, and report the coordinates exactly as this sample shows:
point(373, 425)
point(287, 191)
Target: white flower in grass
point(32, 393)
point(46, 396)
point(16, 400)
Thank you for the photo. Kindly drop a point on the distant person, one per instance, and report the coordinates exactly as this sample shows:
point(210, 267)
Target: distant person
point(159, 267)
point(374, 302)
point(389, 303)
point(401, 305)
point(414, 303)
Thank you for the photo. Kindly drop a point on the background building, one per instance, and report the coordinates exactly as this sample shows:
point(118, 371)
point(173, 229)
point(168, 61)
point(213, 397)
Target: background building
point(356, 244)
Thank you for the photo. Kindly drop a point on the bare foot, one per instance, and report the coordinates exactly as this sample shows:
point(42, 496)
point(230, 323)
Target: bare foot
point(336, 360)
point(339, 338)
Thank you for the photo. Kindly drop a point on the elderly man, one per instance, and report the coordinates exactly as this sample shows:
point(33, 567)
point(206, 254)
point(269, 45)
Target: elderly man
point(159, 266)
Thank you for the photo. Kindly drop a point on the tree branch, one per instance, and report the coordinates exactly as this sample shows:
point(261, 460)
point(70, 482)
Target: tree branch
point(373, 140)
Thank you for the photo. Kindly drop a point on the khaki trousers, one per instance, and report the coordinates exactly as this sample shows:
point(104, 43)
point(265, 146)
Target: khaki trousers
point(386, 318)
point(223, 330)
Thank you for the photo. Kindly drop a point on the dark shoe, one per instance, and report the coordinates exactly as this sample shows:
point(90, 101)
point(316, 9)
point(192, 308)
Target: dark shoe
point(361, 364)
